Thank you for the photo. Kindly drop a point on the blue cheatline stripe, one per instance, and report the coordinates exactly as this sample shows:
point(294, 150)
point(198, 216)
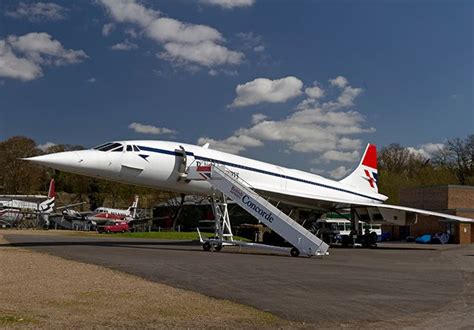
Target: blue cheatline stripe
point(188, 153)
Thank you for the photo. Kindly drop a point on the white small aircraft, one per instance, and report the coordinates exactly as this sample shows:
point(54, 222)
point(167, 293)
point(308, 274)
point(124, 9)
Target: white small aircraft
point(15, 209)
point(104, 214)
point(163, 165)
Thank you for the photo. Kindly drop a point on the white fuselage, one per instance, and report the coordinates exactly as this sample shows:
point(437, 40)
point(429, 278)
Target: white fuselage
point(157, 164)
point(15, 210)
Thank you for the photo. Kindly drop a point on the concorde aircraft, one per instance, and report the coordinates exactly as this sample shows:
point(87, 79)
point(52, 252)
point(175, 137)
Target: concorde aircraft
point(163, 165)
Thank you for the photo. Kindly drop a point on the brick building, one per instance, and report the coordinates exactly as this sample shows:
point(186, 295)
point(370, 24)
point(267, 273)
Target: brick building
point(455, 200)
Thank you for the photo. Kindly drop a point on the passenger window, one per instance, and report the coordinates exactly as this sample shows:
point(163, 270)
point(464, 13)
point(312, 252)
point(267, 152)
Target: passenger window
point(129, 148)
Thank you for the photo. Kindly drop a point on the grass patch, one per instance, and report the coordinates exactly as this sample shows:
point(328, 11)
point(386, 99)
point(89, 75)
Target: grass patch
point(171, 235)
point(9, 320)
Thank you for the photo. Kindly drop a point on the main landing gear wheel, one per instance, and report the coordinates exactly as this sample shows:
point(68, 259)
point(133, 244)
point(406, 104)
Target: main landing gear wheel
point(206, 246)
point(218, 247)
point(294, 252)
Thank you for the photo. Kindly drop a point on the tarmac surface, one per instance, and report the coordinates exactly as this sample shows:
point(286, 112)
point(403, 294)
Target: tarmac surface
point(425, 285)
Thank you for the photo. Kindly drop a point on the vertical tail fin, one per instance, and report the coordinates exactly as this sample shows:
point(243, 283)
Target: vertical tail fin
point(52, 189)
point(48, 205)
point(365, 176)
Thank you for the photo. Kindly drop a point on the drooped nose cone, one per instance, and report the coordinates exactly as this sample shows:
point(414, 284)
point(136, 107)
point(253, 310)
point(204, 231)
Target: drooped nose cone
point(69, 160)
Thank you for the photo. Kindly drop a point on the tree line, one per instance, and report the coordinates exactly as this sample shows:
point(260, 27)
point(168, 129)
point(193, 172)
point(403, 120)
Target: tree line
point(398, 168)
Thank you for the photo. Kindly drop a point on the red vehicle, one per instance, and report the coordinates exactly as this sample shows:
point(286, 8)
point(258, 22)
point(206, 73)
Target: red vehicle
point(114, 227)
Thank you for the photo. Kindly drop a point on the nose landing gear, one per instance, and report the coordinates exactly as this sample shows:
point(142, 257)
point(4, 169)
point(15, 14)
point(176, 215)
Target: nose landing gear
point(208, 246)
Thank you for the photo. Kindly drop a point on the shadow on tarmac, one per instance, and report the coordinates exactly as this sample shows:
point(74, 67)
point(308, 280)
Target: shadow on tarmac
point(108, 243)
point(182, 246)
point(393, 248)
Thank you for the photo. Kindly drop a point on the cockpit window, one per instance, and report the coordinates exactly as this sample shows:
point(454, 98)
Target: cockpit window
point(118, 149)
point(129, 148)
point(136, 148)
point(102, 145)
point(110, 147)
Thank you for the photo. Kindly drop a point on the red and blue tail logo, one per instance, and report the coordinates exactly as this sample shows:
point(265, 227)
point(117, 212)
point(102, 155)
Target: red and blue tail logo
point(365, 176)
point(371, 178)
point(370, 165)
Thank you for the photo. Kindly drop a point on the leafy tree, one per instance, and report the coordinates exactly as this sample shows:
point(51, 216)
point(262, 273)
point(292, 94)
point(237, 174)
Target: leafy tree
point(17, 175)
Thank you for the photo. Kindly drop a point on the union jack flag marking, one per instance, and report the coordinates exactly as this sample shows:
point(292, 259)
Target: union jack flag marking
point(371, 178)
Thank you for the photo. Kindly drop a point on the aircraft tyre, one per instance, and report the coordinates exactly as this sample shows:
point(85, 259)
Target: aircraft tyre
point(206, 246)
point(373, 239)
point(218, 247)
point(294, 252)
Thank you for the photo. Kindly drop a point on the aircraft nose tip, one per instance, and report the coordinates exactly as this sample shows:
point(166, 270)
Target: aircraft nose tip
point(61, 159)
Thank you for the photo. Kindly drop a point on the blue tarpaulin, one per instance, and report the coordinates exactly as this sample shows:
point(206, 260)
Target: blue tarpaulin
point(424, 239)
point(439, 238)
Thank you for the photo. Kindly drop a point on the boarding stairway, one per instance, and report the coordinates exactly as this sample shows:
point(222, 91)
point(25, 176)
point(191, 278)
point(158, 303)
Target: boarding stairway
point(227, 182)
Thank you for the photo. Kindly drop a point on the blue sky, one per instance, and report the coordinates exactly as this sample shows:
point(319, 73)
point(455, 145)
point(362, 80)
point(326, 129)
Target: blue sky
point(405, 73)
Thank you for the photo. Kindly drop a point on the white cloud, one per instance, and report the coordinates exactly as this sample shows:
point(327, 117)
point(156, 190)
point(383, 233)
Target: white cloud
point(427, 150)
point(171, 30)
point(38, 12)
point(46, 146)
point(150, 129)
point(341, 156)
point(91, 80)
point(339, 172)
point(258, 118)
point(107, 29)
point(43, 49)
point(216, 72)
point(23, 57)
point(348, 95)
point(206, 53)
point(311, 128)
point(229, 4)
point(233, 144)
point(316, 170)
point(126, 45)
point(339, 81)
point(314, 92)
point(252, 41)
point(128, 11)
point(263, 90)
point(132, 33)
point(15, 67)
point(184, 44)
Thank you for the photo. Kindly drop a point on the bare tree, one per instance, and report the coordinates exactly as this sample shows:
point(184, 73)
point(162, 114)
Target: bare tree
point(397, 159)
point(458, 156)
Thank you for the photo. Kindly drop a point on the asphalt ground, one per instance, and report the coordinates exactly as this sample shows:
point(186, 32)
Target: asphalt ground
point(399, 284)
